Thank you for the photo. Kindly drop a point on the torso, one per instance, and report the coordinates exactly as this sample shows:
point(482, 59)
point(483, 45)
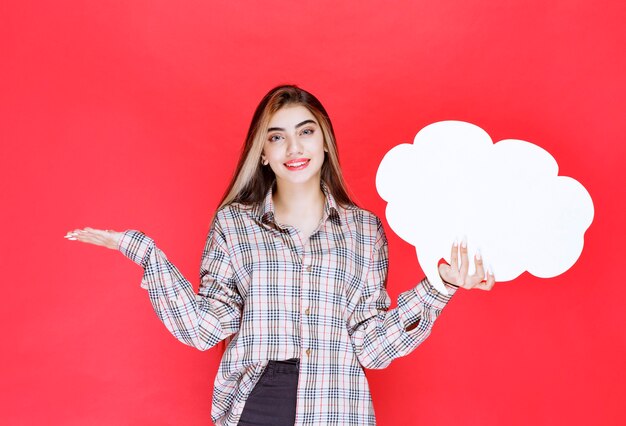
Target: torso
point(300, 295)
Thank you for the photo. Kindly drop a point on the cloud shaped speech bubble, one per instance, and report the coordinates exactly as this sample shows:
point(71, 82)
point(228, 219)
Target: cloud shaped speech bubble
point(507, 198)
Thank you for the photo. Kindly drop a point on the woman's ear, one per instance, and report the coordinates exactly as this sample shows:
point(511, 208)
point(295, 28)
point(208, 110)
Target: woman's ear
point(264, 161)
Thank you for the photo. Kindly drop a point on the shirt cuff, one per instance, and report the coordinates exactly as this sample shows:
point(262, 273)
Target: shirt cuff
point(136, 246)
point(424, 296)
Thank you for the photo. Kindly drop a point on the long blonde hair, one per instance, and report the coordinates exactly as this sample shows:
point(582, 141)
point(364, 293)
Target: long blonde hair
point(251, 181)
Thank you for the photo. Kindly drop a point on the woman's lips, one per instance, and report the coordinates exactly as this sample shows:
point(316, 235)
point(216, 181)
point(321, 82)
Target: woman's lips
point(298, 164)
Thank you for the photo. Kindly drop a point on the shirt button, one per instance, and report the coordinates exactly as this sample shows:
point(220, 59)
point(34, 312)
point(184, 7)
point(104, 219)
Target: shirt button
point(308, 311)
point(308, 352)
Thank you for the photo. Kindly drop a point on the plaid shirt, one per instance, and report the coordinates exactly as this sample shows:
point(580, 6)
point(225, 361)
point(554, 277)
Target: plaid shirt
point(276, 297)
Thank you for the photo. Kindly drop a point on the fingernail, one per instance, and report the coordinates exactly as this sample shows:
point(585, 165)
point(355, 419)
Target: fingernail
point(478, 255)
point(464, 242)
point(489, 270)
point(71, 238)
point(456, 242)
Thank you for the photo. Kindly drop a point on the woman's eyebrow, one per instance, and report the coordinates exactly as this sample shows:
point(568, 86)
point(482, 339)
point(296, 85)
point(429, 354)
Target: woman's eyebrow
point(305, 122)
point(280, 129)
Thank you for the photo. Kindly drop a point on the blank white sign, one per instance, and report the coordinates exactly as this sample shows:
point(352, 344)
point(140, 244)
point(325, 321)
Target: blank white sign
point(505, 198)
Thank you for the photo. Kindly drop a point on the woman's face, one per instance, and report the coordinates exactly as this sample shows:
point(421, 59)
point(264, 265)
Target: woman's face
point(294, 147)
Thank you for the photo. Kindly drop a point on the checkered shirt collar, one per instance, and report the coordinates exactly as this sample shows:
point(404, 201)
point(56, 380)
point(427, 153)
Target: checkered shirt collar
point(331, 210)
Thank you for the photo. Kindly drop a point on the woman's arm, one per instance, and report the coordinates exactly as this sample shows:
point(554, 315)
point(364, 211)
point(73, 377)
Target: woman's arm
point(199, 320)
point(380, 334)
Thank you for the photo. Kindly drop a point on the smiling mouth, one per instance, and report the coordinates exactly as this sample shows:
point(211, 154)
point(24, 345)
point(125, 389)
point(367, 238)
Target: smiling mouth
point(297, 164)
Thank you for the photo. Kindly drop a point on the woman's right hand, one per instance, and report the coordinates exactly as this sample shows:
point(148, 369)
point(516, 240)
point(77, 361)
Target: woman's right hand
point(109, 239)
point(456, 273)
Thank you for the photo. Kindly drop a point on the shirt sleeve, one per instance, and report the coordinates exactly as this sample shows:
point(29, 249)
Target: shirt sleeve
point(199, 320)
point(379, 334)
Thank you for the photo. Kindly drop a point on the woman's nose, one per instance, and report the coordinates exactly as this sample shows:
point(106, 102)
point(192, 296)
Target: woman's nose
point(294, 146)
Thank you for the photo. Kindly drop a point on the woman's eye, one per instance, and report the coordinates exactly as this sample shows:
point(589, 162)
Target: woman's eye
point(275, 138)
point(308, 131)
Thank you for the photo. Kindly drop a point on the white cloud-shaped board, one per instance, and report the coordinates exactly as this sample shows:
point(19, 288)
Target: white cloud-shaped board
point(506, 198)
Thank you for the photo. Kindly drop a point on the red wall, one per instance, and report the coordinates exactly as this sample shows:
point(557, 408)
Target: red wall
point(130, 114)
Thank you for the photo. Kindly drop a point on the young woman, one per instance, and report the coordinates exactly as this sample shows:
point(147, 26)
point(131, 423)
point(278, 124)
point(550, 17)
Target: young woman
point(293, 276)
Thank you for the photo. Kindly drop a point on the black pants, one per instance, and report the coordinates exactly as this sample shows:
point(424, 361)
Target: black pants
point(272, 402)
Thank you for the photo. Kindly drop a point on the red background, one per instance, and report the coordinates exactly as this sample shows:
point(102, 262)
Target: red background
point(125, 115)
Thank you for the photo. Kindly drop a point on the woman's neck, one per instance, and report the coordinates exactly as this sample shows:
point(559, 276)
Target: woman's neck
point(295, 204)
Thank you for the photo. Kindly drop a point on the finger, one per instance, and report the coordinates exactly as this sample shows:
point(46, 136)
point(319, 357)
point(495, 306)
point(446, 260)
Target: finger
point(490, 279)
point(91, 236)
point(478, 262)
point(88, 237)
point(464, 263)
point(454, 256)
point(93, 232)
point(488, 283)
point(73, 235)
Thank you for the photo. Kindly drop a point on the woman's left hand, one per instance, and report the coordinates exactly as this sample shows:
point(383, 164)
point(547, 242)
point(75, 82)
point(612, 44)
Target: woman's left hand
point(98, 237)
point(457, 274)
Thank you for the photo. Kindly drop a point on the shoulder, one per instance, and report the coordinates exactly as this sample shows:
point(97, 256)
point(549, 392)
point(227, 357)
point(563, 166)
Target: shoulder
point(230, 225)
point(354, 214)
point(231, 220)
point(233, 212)
point(362, 221)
